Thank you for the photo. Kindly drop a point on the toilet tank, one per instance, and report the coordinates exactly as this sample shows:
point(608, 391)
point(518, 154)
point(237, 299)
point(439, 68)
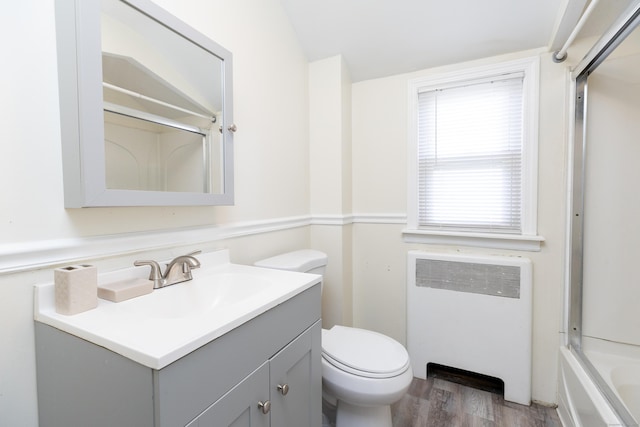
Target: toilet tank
point(304, 261)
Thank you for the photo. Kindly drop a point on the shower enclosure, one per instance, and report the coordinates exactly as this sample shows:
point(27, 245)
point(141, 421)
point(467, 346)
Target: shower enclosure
point(604, 280)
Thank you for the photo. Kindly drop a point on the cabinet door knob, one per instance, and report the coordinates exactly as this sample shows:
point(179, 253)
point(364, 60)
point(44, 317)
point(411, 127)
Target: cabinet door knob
point(283, 389)
point(232, 127)
point(265, 406)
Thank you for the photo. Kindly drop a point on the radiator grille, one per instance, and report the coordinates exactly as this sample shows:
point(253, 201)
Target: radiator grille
point(486, 279)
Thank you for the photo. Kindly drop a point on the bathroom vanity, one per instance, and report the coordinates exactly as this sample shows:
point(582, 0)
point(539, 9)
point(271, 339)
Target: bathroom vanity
point(252, 362)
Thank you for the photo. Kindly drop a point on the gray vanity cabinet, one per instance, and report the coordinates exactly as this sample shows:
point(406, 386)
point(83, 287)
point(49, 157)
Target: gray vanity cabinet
point(220, 384)
point(283, 386)
point(238, 408)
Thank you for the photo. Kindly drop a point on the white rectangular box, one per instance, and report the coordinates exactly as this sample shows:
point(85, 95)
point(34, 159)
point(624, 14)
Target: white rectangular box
point(472, 312)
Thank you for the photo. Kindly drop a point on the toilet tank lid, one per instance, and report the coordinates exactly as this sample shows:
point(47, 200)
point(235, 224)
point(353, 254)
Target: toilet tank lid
point(302, 260)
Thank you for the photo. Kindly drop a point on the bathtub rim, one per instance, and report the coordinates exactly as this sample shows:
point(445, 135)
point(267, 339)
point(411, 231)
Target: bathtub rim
point(570, 414)
point(606, 357)
point(609, 396)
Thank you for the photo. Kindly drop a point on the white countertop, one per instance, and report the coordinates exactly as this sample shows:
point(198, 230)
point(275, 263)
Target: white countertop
point(159, 328)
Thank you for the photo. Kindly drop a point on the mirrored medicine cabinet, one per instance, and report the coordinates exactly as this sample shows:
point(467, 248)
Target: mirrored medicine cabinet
point(145, 105)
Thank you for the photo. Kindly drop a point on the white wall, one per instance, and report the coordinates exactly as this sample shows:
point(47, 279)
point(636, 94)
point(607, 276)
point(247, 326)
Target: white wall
point(612, 207)
point(270, 84)
point(380, 109)
point(330, 182)
point(271, 149)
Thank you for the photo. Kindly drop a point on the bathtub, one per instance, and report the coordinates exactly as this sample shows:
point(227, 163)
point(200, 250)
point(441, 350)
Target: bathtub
point(626, 382)
point(581, 403)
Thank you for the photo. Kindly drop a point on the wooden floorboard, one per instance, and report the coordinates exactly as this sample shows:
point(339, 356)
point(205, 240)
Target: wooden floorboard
point(439, 403)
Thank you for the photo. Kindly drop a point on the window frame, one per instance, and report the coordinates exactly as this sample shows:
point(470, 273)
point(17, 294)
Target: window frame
point(528, 238)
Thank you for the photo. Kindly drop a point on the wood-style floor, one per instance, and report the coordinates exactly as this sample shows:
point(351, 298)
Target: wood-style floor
point(439, 403)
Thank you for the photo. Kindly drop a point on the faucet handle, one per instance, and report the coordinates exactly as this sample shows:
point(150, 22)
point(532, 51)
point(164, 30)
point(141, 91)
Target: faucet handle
point(155, 274)
point(189, 255)
point(189, 262)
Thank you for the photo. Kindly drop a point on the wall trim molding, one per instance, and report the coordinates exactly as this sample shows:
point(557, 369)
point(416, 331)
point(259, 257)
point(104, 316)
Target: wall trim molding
point(45, 253)
point(19, 257)
point(399, 218)
point(385, 218)
point(331, 220)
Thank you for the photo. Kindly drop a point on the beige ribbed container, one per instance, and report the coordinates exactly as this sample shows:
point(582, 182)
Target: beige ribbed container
point(76, 288)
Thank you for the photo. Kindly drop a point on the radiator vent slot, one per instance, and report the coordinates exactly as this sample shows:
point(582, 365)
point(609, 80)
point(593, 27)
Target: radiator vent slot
point(486, 279)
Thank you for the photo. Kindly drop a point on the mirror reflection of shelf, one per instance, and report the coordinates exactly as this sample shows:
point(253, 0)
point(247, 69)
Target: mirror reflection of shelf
point(153, 118)
point(131, 89)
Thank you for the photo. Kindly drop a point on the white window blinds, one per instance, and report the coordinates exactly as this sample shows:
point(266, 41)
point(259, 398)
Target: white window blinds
point(470, 150)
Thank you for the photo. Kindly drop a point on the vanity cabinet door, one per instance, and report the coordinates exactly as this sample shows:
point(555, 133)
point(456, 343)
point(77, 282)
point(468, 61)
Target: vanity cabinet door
point(239, 407)
point(291, 381)
point(296, 382)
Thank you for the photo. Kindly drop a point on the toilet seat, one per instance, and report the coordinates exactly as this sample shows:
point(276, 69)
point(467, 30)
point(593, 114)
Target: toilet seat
point(364, 353)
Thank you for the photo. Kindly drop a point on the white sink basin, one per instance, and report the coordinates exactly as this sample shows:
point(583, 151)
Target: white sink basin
point(198, 297)
point(159, 328)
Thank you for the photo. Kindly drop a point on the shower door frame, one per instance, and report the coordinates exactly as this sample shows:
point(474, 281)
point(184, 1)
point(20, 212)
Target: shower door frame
point(614, 36)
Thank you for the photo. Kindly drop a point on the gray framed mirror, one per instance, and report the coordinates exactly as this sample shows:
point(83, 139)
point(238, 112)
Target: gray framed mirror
point(146, 107)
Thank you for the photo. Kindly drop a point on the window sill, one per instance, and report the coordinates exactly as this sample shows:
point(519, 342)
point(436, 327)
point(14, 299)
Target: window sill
point(516, 242)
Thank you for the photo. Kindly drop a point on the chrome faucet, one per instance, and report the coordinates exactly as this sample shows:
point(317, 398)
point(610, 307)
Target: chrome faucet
point(177, 271)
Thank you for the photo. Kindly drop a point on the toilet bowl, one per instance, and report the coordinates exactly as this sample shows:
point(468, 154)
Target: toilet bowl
point(363, 371)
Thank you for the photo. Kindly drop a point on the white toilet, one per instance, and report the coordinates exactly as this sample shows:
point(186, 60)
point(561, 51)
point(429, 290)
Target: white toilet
point(364, 371)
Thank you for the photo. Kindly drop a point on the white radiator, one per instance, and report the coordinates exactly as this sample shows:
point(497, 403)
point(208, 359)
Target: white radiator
point(471, 313)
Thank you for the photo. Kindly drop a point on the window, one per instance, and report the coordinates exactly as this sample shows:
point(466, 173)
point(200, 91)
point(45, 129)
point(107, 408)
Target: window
point(473, 155)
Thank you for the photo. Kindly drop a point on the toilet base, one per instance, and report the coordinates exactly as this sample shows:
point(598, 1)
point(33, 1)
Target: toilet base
point(363, 416)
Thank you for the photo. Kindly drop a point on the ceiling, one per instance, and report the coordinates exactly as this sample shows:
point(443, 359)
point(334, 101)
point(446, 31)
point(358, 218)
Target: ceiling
point(379, 38)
